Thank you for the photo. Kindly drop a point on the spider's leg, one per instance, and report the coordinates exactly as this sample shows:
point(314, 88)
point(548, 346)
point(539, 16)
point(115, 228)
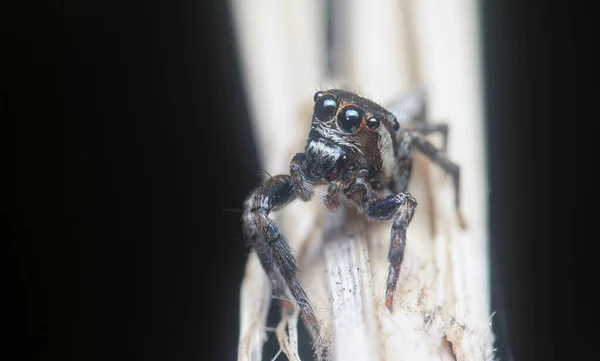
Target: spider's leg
point(400, 208)
point(270, 245)
point(426, 128)
point(411, 110)
point(447, 165)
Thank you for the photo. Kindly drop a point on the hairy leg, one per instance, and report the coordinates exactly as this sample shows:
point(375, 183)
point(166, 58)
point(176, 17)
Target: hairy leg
point(271, 247)
point(426, 129)
point(400, 208)
point(439, 158)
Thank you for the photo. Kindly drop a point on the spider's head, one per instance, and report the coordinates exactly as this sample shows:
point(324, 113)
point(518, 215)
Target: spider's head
point(362, 130)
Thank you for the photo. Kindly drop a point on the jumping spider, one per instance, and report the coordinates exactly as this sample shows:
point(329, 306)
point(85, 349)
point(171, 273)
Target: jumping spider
point(362, 154)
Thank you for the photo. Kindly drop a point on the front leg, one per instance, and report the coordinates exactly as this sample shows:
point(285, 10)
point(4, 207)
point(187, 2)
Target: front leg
point(271, 247)
point(401, 208)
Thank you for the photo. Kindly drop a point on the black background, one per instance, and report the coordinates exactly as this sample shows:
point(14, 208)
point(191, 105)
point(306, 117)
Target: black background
point(128, 137)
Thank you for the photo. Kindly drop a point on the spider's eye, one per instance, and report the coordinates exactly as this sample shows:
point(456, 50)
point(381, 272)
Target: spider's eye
point(317, 96)
point(373, 123)
point(325, 107)
point(395, 124)
point(349, 119)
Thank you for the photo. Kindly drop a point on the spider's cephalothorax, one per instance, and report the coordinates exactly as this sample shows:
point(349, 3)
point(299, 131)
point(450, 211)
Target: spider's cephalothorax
point(359, 151)
point(349, 134)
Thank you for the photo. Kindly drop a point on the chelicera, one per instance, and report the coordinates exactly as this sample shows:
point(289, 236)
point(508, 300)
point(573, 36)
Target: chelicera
point(362, 155)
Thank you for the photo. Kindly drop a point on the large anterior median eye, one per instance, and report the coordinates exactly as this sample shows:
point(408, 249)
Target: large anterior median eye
point(349, 119)
point(325, 107)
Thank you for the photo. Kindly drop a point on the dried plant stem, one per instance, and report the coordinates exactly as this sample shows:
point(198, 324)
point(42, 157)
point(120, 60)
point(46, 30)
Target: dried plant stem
point(441, 309)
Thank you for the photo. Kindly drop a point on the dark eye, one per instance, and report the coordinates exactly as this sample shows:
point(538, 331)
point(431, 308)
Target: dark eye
point(349, 119)
point(373, 123)
point(325, 107)
point(395, 124)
